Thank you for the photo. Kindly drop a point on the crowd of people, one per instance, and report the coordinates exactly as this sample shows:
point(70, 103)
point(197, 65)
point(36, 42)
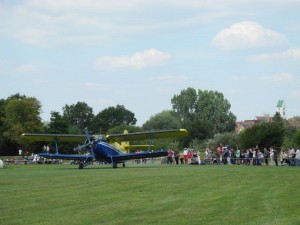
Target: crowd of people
point(229, 156)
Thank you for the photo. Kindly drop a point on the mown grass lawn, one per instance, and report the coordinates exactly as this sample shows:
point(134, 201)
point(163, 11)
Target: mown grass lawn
point(149, 194)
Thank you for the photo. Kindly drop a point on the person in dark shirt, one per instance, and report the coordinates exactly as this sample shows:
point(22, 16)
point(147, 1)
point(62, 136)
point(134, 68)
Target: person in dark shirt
point(275, 156)
point(176, 156)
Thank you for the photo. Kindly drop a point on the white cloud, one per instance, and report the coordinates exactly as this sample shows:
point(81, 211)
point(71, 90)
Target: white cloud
point(82, 5)
point(231, 91)
point(165, 78)
point(247, 34)
point(238, 77)
point(292, 53)
point(280, 77)
point(27, 68)
point(35, 36)
point(139, 60)
point(296, 93)
point(48, 23)
point(172, 78)
point(91, 84)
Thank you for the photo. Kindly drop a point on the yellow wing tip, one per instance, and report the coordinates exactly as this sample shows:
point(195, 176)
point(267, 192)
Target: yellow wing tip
point(184, 131)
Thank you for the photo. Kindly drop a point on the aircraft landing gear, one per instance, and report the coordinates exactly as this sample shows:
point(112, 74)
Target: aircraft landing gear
point(83, 164)
point(123, 164)
point(115, 165)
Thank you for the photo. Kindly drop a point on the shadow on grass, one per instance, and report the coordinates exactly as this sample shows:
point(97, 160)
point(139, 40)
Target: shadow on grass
point(108, 167)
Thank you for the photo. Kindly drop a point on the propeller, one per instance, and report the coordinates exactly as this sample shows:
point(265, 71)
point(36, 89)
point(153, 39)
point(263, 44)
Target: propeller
point(88, 135)
point(88, 143)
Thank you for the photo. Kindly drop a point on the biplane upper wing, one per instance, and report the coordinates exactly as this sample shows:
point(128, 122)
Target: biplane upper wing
point(147, 135)
point(140, 147)
point(141, 155)
point(55, 137)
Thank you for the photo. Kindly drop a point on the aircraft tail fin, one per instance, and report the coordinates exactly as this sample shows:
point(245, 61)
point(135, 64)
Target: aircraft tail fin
point(125, 144)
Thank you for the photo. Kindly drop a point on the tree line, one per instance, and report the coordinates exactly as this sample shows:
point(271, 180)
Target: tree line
point(204, 113)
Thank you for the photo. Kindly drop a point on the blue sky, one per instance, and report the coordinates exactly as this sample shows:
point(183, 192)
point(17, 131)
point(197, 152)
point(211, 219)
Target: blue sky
point(141, 53)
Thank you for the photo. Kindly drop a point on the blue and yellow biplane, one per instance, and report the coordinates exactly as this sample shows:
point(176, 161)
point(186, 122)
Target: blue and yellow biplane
point(110, 148)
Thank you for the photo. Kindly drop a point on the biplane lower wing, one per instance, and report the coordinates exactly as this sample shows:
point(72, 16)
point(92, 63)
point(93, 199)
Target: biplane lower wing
point(154, 154)
point(67, 156)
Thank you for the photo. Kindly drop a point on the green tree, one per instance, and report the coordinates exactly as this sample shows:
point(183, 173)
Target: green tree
point(6, 146)
point(21, 115)
point(58, 124)
point(198, 129)
point(212, 106)
point(227, 138)
point(121, 128)
point(184, 104)
point(79, 115)
point(278, 119)
point(2, 119)
point(164, 120)
point(264, 135)
point(208, 106)
point(112, 117)
point(296, 139)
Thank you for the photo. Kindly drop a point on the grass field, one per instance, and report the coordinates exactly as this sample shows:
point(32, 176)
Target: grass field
point(149, 194)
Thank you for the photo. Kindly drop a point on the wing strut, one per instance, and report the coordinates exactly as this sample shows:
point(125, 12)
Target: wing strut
point(151, 142)
point(56, 146)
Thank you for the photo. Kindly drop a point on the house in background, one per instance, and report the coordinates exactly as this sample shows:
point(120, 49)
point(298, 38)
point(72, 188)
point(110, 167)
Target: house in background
point(242, 125)
point(281, 108)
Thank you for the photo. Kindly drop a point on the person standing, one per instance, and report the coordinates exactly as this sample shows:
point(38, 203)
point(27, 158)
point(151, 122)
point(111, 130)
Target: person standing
point(198, 156)
point(266, 156)
point(185, 155)
point(238, 156)
point(170, 156)
point(291, 154)
point(218, 155)
point(272, 156)
point(189, 157)
point(282, 156)
point(181, 157)
point(176, 156)
point(47, 149)
point(260, 157)
point(254, 156)
point(275, 157)
point(251, 156)
point(297, 157)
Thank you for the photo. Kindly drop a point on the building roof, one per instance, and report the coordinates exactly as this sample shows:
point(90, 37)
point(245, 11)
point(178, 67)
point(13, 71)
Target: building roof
point(280, 103)
point(260, 119)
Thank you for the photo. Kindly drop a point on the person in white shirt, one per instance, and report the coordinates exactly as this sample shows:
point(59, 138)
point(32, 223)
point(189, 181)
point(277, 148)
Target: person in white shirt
point(291, 156)
point(297, 157)
point(185, 153)
point(272, 157)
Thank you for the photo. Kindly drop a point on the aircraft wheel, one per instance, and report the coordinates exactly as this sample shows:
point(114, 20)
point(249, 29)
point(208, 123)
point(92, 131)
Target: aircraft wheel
point(123, 164)
point(80, 165)
point(115, 165)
